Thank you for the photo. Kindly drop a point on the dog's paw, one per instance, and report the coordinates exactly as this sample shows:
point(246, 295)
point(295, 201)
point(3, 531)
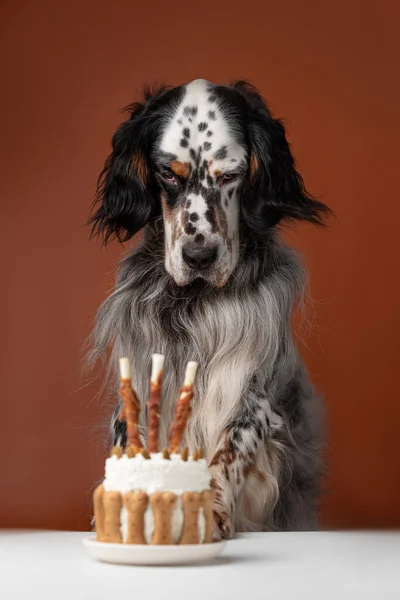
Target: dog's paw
point(223, 529)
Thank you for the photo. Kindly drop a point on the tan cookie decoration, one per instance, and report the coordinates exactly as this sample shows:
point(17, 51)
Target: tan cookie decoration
point(99, 512)
point(191, 503)
point(116, 451)
point(130, 451)
point(163, 504)
point(198, 454)
point(136, 504)
point(207, 502)
point(112, 503)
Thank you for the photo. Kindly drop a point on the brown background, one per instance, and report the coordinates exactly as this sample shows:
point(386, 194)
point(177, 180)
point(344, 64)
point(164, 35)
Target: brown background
point(331, 69)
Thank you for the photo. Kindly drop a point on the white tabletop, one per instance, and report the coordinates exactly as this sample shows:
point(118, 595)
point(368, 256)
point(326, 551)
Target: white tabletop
point(54, 565)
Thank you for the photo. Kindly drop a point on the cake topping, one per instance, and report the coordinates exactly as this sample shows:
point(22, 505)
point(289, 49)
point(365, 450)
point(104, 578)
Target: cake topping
point(130, 451)
point(183, 408)
point(131, 406)
point(154, 401)
point(116, 451)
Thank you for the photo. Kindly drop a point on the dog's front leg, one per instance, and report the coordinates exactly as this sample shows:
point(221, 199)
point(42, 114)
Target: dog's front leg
point(234, 459)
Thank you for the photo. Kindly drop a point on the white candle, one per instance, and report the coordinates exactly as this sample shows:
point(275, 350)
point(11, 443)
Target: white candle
point(158, 364)
point(190, 372)
point(124, 368)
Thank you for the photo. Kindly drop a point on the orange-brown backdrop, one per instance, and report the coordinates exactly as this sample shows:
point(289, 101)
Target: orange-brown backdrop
point(329, 68)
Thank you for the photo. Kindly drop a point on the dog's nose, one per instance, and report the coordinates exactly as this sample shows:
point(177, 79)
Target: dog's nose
point(199, 257)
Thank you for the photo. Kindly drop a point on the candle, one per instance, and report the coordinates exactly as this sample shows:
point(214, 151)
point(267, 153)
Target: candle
point(130, 405)
point(183, 407)
point(155, 401)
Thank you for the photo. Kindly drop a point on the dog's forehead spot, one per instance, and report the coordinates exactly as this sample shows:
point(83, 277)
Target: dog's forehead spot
point(221, 153)
point(190, 111)
point(198, 118)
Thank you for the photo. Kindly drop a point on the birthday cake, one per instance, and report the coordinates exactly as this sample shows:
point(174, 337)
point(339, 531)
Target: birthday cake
point(150, 496)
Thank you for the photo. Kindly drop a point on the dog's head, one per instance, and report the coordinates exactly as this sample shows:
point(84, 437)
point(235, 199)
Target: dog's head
point(214, 163)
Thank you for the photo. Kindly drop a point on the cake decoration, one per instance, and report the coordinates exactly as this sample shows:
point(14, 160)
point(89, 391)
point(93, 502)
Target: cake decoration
point(130, 405)
point(154, 401)
point(183, 408)
point(136, 505)
point(150, 496)
point(163, 504)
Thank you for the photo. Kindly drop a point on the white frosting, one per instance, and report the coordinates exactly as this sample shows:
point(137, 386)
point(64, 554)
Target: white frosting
point(158, 474)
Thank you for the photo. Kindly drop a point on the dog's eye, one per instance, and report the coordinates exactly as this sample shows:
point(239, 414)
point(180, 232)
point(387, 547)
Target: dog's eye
point(169, 177)
point(227, 178)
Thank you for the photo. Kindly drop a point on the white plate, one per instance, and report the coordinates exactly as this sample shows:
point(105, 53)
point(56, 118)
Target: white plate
point(138, 554)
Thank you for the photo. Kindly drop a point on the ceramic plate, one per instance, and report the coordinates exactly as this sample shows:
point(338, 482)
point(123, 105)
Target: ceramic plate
point(133, 554)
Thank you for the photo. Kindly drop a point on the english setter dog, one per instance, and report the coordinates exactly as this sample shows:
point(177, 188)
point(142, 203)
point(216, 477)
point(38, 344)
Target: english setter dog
point(207, 173)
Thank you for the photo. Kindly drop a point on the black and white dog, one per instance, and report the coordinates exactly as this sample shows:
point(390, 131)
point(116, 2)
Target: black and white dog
point(207, 173)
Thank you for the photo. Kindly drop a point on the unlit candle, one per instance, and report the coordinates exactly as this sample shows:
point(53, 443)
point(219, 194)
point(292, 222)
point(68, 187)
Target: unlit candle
point(124, 368)
point(158, 364)
point(190, 372)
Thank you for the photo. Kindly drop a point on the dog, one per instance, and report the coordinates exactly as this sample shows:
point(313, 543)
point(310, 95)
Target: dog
point(206, 173)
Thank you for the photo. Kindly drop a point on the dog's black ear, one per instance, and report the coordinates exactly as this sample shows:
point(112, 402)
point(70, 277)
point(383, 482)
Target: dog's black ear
point(125, 197)
point(275, 190)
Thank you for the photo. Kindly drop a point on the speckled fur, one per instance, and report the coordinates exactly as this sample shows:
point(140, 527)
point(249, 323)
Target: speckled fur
point(255, 413)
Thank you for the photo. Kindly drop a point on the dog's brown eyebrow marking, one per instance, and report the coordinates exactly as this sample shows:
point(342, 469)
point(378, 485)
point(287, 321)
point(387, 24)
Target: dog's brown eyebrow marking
point(181, 169)
point(253, 164)
point(140, 165)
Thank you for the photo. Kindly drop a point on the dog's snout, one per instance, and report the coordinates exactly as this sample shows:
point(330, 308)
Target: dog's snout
point(199, 257)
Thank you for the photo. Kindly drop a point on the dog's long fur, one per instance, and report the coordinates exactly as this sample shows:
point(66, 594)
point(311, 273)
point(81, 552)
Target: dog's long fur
point(255, 412)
